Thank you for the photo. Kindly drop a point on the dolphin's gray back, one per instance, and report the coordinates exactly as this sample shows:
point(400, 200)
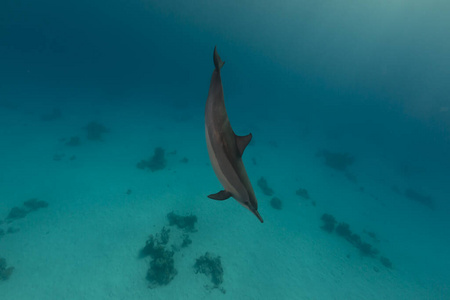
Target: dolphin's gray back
point(222, 140)
point(225, 149)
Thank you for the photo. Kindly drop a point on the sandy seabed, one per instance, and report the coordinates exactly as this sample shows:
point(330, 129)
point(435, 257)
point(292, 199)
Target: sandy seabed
point(85, 244)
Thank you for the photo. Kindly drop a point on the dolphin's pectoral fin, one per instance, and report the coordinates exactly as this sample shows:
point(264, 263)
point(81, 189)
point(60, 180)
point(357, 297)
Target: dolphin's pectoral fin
point(222, 195)
point(242, 142)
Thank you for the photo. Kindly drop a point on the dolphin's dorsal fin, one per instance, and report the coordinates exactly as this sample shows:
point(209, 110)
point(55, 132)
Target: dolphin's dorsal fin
point(222, 195)
point(242, 142)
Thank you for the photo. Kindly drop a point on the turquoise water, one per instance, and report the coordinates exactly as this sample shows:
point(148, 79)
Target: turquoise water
point(348, 104)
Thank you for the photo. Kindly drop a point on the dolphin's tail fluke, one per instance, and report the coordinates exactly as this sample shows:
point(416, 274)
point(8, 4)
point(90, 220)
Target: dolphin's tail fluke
point(217, 60)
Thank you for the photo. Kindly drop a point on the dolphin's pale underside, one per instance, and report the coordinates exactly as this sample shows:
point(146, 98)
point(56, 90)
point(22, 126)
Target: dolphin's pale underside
point(225, 148)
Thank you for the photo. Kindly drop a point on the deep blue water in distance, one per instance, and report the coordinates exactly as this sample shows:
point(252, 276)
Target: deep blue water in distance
point(367, 78)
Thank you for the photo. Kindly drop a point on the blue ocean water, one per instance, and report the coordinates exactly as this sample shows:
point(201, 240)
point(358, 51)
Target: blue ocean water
point(349, 106)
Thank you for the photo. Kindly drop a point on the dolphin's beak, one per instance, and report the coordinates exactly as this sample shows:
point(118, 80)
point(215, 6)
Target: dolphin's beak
point(258, 215)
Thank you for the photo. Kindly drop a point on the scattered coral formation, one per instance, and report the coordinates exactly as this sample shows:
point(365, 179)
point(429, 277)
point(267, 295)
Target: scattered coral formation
point(162, 265)
point(12, 230)
point(418, 197)
point(162, 268)
point(351, 177)
point(155, 243)
point(336, 160)
point(58, 157)
point(61, 156)
point(343, 230)
point(34, 204)
point(262, 183)
point(186, 223)
point(211, 266)
point(156, 162)
point(276, 203)
point(372, 235)
point(5, 271)
point(16, 213)
point(186, 241)
point(95, 131)
point(302, 193)
point(30, 205)
point(386, 262)
point(366, 248)
point(74, 141)
point(329, 222)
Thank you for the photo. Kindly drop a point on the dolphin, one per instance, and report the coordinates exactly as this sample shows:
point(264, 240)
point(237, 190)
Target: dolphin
point(225, 148)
